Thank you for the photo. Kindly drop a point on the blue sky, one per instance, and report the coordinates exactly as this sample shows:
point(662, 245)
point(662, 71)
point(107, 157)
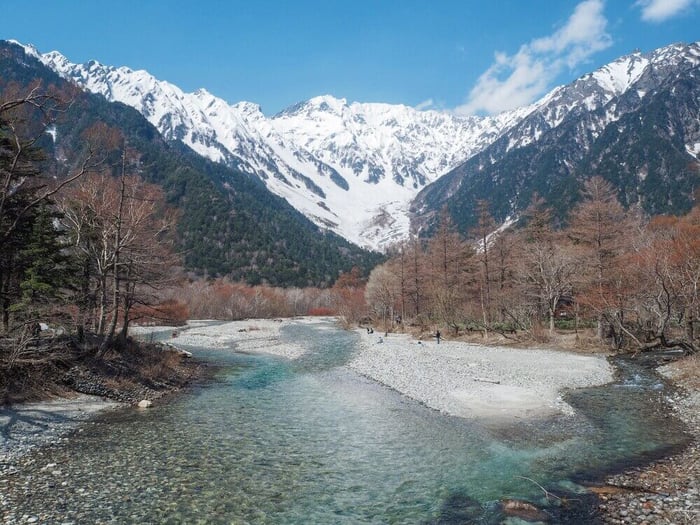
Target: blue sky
point(466, 56)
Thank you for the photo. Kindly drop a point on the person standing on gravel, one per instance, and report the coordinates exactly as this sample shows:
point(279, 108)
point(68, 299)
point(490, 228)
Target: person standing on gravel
point(437, 336)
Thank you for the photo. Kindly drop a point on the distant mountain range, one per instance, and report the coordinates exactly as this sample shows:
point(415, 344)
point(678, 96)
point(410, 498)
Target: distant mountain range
point(230, 223)
point(371, 172)
point(635, 122)
point(352, 168)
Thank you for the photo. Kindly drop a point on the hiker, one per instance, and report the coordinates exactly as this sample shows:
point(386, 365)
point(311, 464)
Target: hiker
point(437, 336)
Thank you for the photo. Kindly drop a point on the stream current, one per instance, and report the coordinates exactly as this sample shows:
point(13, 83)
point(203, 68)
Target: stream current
point(308, 441)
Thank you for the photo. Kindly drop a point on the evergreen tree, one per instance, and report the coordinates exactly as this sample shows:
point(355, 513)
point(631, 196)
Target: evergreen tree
point(45, 265)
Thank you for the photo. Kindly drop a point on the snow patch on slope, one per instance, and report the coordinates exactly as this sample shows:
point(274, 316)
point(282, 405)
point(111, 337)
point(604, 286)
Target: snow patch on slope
point(349, 167)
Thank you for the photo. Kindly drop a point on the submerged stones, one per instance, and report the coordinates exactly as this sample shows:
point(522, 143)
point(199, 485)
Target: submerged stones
point(524, 510)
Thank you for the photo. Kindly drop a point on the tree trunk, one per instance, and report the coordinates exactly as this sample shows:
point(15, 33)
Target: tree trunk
point(128, 301)
point(551, 321)
point(106, 342)
point(5, 301)
point(83, 301)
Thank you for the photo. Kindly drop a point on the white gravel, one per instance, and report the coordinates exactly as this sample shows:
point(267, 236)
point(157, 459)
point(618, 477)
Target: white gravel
point(459, 379)
point(25, 426)
point(475, 381)
point(251, 336)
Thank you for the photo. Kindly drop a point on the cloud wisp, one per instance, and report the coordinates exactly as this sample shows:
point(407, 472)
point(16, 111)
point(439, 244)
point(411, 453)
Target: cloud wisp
point(426, 104)
point(517, 80)
point(661, 10)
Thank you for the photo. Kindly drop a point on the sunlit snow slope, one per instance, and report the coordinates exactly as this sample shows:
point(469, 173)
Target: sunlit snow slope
point(351, 167)
point(356, 167)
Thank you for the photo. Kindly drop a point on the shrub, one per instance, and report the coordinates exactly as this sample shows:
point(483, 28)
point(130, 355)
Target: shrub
point(321, 311)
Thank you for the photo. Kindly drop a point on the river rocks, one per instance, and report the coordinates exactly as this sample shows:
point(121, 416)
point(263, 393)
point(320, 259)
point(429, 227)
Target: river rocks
point(524, 510)
point(667, 491)
point(145, 403)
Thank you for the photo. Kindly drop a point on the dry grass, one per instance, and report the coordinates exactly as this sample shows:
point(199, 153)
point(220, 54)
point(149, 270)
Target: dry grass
point(687, 371)
point(139, 364)
point(52, 367)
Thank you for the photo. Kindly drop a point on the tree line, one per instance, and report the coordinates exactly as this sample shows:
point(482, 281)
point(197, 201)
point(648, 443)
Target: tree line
point(88, 245)
point(631, 278)
point(84, 239)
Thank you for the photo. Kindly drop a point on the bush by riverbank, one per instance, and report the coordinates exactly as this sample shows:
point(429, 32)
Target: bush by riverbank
point(58, 366)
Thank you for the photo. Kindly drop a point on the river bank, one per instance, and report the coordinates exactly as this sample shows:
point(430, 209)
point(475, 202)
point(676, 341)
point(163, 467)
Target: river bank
point(513, 384)
point(73, 391)
point(475, 381)
point(668, 490)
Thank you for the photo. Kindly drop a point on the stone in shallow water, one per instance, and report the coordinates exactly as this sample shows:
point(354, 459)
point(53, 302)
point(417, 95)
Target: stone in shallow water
point(145, 403)
point(523, 510)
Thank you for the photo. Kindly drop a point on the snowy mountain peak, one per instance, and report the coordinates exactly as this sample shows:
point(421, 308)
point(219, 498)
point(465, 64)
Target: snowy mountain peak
point(355, 167)
point(350, 167)
point(619, 75)
point(329, 102)
point(249, 109)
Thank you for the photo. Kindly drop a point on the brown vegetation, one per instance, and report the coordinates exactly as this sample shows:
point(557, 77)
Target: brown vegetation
point(226, 300)
point(610, 277)
point(83, 251)
point(48, 365)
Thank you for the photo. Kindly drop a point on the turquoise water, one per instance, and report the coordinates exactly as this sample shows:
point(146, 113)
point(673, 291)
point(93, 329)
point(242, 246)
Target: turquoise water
point(273, 441)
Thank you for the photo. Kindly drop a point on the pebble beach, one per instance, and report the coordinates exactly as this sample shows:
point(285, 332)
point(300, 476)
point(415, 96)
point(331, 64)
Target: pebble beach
point(456, 378)
point(475, 381)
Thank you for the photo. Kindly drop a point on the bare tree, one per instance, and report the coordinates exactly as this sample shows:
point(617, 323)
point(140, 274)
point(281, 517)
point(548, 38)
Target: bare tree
point(483, 231)
point(447, 261)
point(547, 266)
point(382, 294)
point(600, 229)
point(120, 227)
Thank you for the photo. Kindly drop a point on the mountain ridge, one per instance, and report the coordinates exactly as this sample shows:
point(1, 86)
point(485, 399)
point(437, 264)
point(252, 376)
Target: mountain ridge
point(550, 152)
point(374, 172)
point(350, 167)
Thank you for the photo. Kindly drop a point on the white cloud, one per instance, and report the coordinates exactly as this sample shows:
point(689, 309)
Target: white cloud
point(517, 80)
point(426, 104)
point(660, 10)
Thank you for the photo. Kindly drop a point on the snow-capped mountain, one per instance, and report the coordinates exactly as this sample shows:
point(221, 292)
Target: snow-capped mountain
point(351, 167)
point(635, 121)
point(362, 170)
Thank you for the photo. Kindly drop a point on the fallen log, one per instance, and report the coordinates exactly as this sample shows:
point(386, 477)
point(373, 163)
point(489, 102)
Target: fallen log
point(485, 380)
point(612, 488)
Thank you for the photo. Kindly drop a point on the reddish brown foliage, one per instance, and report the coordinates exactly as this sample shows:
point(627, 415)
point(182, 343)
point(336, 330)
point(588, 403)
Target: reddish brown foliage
point(169, 312)
point(321, 311)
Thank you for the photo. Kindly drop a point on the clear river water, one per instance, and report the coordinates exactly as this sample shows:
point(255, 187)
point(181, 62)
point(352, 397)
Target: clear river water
point(271, 441)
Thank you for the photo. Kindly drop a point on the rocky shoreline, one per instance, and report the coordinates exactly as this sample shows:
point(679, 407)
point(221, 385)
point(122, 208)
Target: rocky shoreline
point(666, 491)
point(495, 383)
point(90, 387)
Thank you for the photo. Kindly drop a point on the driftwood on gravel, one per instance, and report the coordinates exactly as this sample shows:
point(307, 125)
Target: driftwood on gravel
point(485, 380)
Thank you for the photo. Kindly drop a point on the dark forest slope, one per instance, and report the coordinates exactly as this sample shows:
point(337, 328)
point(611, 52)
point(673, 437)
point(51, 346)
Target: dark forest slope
point(230, 223)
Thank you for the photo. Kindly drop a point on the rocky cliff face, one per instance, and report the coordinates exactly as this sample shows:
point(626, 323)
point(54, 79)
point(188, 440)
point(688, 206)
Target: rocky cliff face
point(363, 170)
point(634, 121)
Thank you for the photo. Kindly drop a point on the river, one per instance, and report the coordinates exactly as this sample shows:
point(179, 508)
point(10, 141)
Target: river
point(308, 441)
